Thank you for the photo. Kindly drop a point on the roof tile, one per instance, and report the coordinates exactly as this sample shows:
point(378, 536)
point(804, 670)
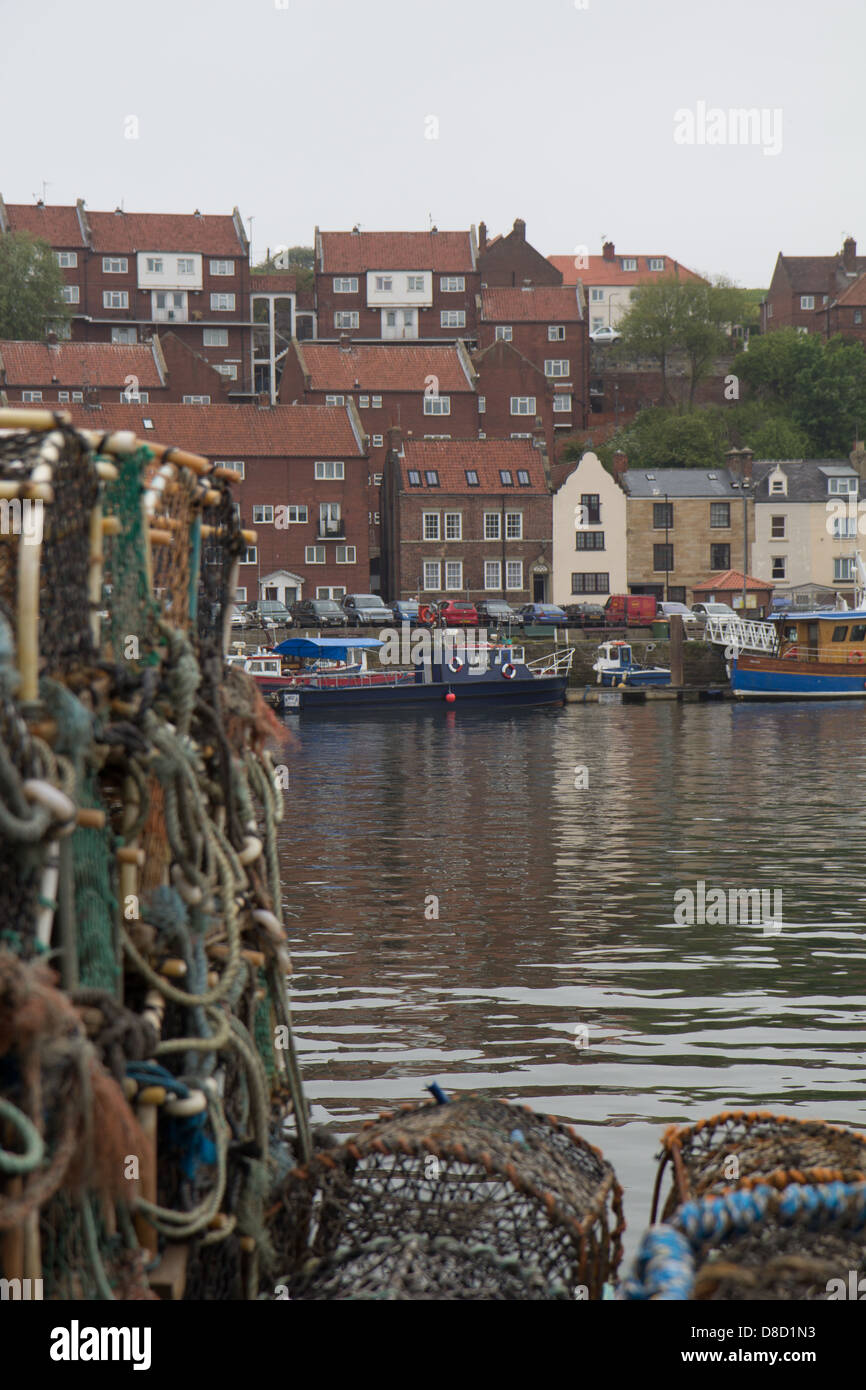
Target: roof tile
point(451, 458)
point(382, 368)
point(361, 251)
point(538, 304)
point(76, 364)
point(598, 271)
point(234, 431)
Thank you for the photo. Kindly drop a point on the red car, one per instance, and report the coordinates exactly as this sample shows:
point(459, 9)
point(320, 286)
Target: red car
point(449, 613)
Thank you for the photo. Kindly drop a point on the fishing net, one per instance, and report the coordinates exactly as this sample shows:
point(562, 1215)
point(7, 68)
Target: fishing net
point(146, 1111)
point(471, 1199)
point(804, 1242)
point(742, 1149)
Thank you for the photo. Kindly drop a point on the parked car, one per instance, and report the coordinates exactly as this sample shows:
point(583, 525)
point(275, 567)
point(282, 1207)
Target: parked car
point(455, 612)
point(713, 610)
point(630, 610)
point(239, 617)
point(667, 610)
point(268, 612)
point(585, 614)
point(318, 612)
point(366, 610)
point(405, 611)
point(605, 335)
point(495, 612)
point(547, 614)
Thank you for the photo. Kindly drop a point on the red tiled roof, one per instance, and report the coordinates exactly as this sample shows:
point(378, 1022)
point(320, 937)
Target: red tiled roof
point(57, 225)
point(382, 368)
point(273, 284)
point(451, 457)
point(541, 303)
point(233, 431)
point(350, 251)
point(598, 271)
point(164, 231)
point(731, 580)
point(74, 364)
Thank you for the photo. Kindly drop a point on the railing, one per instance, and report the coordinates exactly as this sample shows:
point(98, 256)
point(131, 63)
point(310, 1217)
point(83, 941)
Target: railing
point(557, 663)
point(743, 634)
point(794, 651)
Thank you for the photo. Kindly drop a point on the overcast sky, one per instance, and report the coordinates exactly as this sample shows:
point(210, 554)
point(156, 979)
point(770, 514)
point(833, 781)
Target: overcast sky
point(306, 112)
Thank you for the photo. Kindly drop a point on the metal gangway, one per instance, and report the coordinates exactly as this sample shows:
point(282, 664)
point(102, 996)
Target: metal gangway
point(742, 634)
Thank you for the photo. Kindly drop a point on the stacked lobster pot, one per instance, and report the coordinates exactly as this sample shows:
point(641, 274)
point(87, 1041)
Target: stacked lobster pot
point(759, 1207)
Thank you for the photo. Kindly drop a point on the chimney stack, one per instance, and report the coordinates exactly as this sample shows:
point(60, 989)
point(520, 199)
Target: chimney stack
point(482, 236)
point(619, 464)
point(849, 253)
point(607, 251)
point(520, 228)
point(345, 342)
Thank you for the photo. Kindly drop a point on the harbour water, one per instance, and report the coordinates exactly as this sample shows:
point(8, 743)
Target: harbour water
point(551, 844)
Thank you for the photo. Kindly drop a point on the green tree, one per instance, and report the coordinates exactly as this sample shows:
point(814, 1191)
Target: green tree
point(707, 313)
point(651, 325)
point(31, 287)
point(771, 364)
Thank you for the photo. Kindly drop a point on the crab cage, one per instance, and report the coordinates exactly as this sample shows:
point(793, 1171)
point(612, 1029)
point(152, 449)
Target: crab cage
point(472, 1199)
point(806, 1242)
point(742, 1149)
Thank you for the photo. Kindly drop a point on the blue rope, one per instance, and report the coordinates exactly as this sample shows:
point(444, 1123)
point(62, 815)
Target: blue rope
point(664, 1268)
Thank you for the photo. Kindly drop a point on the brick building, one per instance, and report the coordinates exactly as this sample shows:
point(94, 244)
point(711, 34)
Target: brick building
point(466, 519)
point(683, 524)
point(546, 324)
point(845, 314)
point(425, 389)
point(515, 398)
point(66, 373)
point(804, 287)
point(303, 483)
point(396, 286)
point(510, 260)
point(129, 274)
point(62, 373)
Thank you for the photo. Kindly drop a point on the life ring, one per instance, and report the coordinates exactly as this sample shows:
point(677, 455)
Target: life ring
point(455, 665)
point(509, 671)
point(792, 651)
point(855, 656)
point(427, 614)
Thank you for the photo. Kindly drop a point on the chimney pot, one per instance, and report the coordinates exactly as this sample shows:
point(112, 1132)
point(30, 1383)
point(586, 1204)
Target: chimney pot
point(849, 253)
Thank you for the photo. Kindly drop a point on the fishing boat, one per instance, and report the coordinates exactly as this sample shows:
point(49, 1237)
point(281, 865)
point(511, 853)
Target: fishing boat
point(816, 656)
point(488, 673)
point(272, 670)
point(615, 665)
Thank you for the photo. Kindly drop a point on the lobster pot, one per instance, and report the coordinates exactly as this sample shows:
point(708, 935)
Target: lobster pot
point(475, 1199)
point(739, 1149)
point(805, 1242)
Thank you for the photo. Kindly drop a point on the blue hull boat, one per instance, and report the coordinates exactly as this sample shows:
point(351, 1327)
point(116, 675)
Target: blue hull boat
point(487, 674)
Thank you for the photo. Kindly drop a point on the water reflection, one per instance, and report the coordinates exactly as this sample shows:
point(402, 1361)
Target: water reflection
point(556, 912)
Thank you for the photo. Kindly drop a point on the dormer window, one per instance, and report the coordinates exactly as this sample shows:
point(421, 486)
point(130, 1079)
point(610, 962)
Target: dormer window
point(841, 485)
point(778, 485)
point(629, 263)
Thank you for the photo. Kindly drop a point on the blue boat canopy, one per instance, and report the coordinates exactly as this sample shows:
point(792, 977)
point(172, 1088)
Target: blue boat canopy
point(826, 615)
point(332, 648)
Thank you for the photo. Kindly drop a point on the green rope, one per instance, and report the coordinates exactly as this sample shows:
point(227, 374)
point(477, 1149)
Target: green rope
point(34, 1152)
